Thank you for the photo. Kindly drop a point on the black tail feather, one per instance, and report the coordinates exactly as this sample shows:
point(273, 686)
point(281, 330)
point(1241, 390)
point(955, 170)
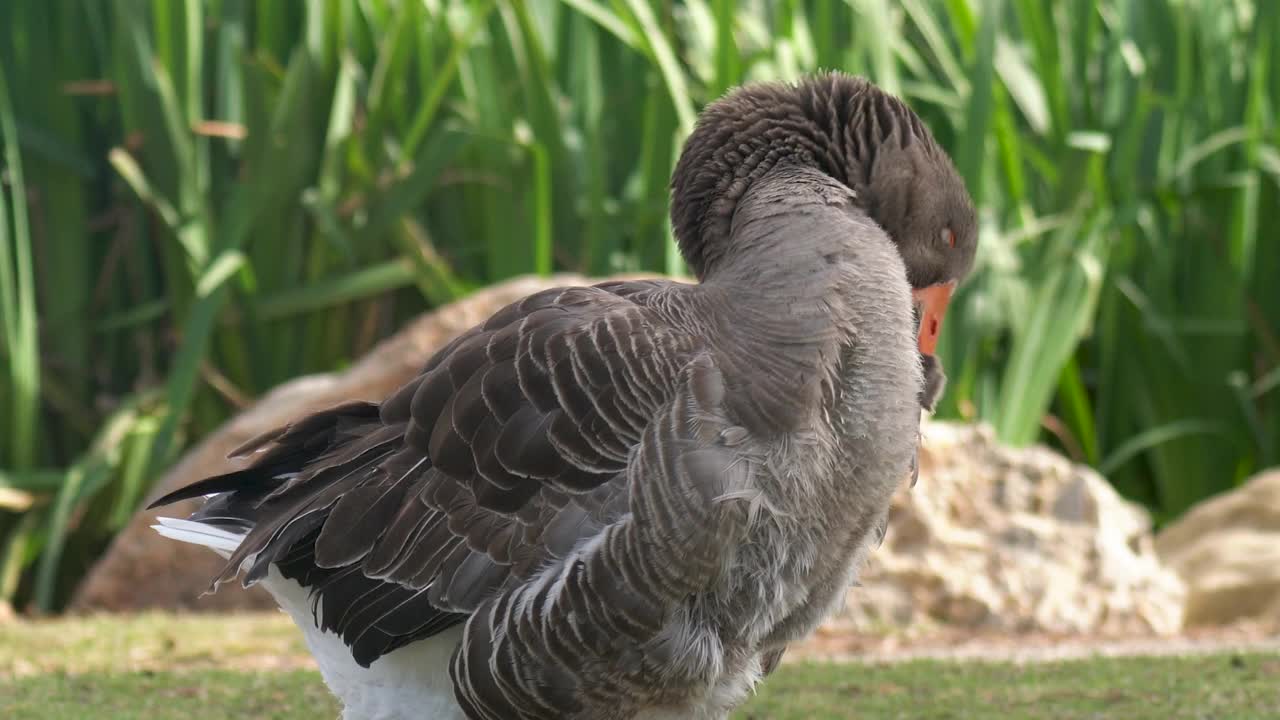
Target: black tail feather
point(215, 485)
point(296, 445)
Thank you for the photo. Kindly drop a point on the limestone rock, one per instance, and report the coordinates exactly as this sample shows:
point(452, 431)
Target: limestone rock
point(990, 537)
point(1012, 540)
point(143, 570)
point(1227, 550)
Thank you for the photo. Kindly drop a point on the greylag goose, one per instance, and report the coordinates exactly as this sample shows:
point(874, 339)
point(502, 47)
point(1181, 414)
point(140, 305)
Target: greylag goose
point(625, 500)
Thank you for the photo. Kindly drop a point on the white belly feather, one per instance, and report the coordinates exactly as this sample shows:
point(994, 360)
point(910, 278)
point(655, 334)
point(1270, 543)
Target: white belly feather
point(411, 682)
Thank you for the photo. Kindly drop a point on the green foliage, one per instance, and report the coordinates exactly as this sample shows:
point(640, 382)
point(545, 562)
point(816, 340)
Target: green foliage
point(203, 199)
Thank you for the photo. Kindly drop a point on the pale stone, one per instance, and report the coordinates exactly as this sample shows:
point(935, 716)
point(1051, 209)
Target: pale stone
point(990, 537)
point(1012, 540)
point(1227, 550)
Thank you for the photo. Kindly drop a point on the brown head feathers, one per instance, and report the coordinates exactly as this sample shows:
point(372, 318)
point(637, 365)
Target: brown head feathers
point(852, 131)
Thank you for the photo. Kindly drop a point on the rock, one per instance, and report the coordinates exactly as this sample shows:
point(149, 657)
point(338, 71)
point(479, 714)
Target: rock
point(1012, 540)
point(990, 537)
point(1227, 550)
point(143, 570)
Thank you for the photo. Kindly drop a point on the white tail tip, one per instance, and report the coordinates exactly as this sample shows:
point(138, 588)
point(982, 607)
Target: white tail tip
point(220, 541)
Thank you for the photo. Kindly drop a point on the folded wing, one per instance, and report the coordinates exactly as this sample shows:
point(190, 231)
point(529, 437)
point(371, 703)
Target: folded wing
point(508, 450)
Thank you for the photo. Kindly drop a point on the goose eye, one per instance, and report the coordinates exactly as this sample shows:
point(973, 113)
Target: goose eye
point(948, 237)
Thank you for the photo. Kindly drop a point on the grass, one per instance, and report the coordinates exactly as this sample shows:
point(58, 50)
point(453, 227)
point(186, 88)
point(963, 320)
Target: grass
point(200, 199)
point(163, 667)
point(215, 694)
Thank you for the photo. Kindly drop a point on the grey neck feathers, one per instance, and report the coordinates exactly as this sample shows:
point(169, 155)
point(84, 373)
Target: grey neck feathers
point(807, 275)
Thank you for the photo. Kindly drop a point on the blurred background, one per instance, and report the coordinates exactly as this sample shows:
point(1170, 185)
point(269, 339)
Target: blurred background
point(202, 200)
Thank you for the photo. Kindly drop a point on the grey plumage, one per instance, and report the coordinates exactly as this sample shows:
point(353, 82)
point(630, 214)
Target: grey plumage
point(634, 495)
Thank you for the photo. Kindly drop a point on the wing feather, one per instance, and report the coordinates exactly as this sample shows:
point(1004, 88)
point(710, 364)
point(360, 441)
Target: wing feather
point(509, 449)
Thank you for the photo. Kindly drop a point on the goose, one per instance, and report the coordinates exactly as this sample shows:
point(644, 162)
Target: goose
point(624, 501)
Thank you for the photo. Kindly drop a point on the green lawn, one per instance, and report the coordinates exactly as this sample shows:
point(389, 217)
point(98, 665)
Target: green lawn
point(209, 668)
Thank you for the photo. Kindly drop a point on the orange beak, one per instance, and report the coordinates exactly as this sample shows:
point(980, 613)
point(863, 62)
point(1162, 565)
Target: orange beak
point(933, 302)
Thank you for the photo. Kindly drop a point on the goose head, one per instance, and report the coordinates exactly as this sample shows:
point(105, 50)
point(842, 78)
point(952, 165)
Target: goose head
point(858, 137)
